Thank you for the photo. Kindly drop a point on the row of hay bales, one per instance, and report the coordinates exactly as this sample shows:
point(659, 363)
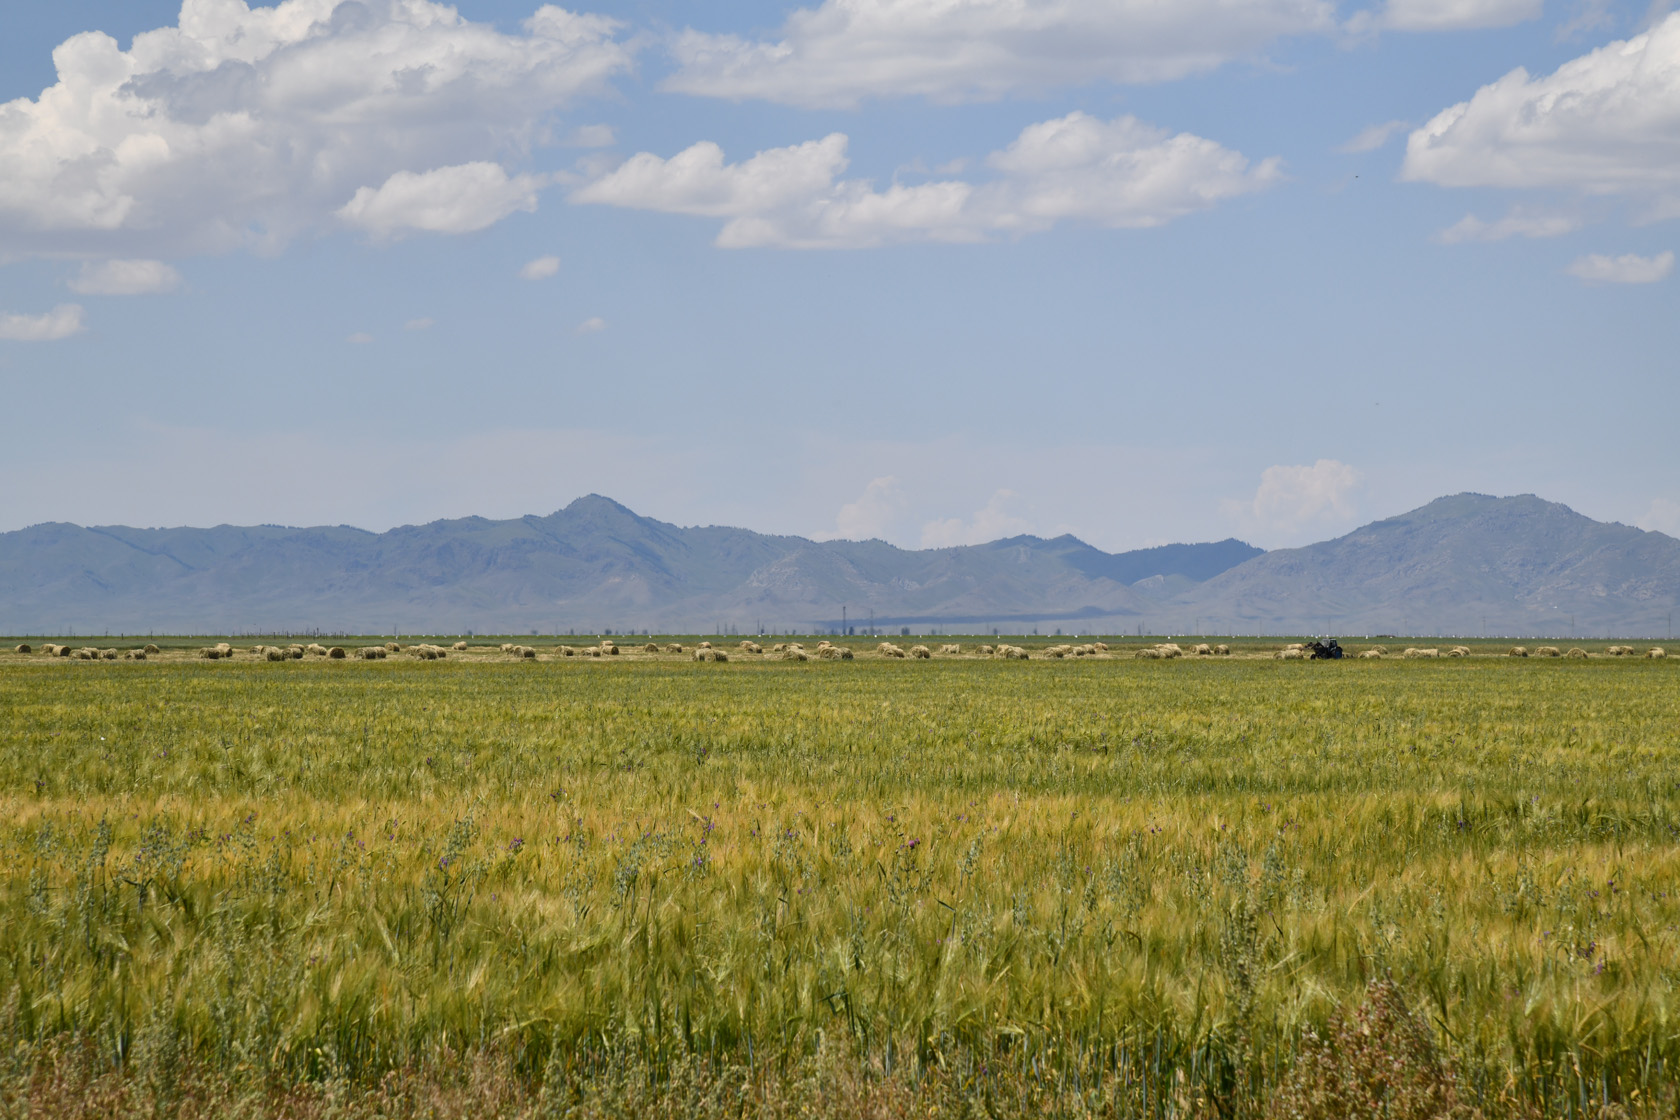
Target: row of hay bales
point(1167, 651)
point(1579, 654)
point(91, 653)
point(1090, 649)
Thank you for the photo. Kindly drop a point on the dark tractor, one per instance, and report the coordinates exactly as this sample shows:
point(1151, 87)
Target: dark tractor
point(1325, 649)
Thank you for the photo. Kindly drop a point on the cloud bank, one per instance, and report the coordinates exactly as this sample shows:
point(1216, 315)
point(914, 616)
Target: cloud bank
point(844, 51)
point(244, 127)
point(1120, 173)
point(1444, 15)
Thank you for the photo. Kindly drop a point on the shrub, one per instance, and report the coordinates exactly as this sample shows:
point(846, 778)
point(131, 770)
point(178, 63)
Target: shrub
point(1380, 1064)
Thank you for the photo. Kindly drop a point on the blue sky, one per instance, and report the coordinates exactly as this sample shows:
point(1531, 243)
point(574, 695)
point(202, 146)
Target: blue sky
point(931, 270)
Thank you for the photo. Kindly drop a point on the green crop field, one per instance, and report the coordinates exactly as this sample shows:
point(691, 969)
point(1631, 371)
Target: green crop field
point(642, 885)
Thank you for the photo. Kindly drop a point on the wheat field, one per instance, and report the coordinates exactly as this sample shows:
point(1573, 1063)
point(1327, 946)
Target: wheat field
point(958, 886)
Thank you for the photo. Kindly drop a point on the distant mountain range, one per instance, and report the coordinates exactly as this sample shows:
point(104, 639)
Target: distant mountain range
point(1467, 564)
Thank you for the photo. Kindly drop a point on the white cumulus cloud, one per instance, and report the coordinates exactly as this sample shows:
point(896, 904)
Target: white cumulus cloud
point(1607, 123)
point(244, 126)
point(125, 278)
point(1445, 15)
point(873, 513)
point(1374, 137)
point(1627, 269)
point(1292, 498)
point(463, 199)
point(1520, 222)
point(990, 523)
point(1662, 517)
point(1119, 173)
point(540, 269)
point(843, 51)
point(59, 323)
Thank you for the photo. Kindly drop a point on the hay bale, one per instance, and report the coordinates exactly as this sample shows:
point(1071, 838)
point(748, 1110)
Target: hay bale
point(887, 649)
point(226, 650)
point(922, 652)
point(708, 645)
point(459, 647)
point(1202, 649)
point(1222, 650)
point(1291, 653)
point(210, 653)
point(949, 649)
point(563, 651)
point(794, 653)
point(752, 647)
point(134, 655)
point(507, 647)
point(1517, 651)
point(1371, 655)
point(23, 647)
point(707, 653)
point(1147, 653)
point(315, 649)
point(110, 654)
point(87, 654)
point(1415, 654)
point(1170, 650)
point(371, 653)
point(275, 653)
point(295, 652)
point(1577, 653)
point(1619, 651)
point(1058, 652)
point(392, 647)
point(336, 653)
point(988, 650)
point(1101, 646)
point(1547, 651)
point(1458, 651)
point(1656, 653)
point(834, 653)
point(608, 649)
point(674, 647)
point(1014, 653)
